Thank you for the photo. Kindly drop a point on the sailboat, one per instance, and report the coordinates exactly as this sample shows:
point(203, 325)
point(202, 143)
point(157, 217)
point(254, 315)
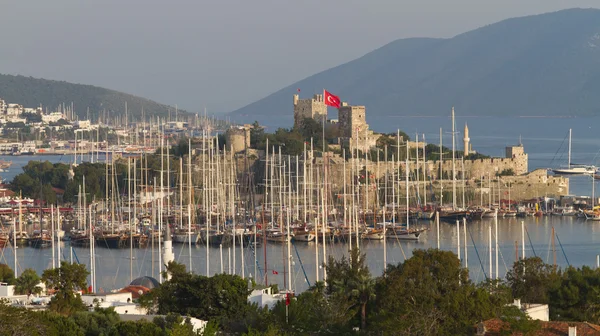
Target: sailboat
point(572, 169)
point(21, 236)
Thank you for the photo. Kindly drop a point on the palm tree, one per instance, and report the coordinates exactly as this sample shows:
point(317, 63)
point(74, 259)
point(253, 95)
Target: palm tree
point(362, 288)
point(352, 279)
point(28, 283)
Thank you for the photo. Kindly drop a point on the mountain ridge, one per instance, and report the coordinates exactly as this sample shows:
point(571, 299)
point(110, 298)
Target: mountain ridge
point(33, 92)
point(545, 64)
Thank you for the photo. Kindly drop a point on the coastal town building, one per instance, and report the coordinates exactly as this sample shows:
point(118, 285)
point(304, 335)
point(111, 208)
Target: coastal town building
point(52, 117)
point(14, 109)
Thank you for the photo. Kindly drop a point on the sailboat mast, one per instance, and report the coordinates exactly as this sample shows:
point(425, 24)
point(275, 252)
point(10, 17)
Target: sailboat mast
point(424, 173)
point(289, 237)
point(345, 201)
point(129, 219)
point(189, 207)
point(441, 176)
point(15, 248)
point(407, 198)
point(453, 163)
point(316, 220)
point(264, 223)
point(385, 196)
point(417, 166)
point(570, 131)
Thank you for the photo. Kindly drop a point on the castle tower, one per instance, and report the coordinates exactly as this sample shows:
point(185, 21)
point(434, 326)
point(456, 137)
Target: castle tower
point(466, 140)
point(237, 138)
point(352, 119)
point(314, 108)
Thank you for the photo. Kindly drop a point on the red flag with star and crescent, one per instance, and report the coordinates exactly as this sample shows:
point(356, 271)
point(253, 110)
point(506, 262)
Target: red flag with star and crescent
point(332, 100)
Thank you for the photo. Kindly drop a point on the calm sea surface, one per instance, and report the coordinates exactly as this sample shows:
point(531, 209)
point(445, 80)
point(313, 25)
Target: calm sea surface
point(544, 139)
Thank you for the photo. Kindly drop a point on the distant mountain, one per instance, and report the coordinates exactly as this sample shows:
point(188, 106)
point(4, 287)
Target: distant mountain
point(546, 64)
point(31, 92)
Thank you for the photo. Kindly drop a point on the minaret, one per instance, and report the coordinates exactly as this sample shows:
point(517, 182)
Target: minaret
point(168, 255)
point(466, 141)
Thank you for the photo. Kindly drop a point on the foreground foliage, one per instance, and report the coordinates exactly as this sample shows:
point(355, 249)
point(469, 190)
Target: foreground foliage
point(20, 321)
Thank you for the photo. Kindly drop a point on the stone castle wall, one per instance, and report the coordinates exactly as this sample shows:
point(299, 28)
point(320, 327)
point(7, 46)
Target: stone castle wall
point(237, 138)
point(352, 119)
point(314, 108)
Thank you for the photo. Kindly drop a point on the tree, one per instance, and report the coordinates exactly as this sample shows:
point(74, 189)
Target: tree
point(137, 328)
point(223, 296)
point(66, 280)
point(431, 294)
point(531, 279)
point(506, 172)
point(98, 322)
point(351, 279)
point(28, 283)
point(576, 296)
point(257, 136)
point(7, 275)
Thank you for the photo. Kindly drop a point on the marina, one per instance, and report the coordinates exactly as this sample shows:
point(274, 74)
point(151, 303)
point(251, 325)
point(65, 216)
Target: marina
point(578, 246)
point(129, 250)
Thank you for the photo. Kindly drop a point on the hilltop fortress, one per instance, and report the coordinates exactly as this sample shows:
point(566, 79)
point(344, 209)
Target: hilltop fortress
point(480, 176)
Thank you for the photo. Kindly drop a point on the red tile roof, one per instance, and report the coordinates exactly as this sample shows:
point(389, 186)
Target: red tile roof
point(494, 327)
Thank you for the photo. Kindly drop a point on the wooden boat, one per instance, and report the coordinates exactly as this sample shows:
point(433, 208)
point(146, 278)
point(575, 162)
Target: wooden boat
point(373, 234)
point(79, 238)
point(303, 236)
point(216, 238)
point(184, 236)
point(4, 239)
point(400, 232)
point(453, 216)
point(40, 239)
point(138, 240)
point(490, 214)
point(22, 238)
point(275, 236)
point(109, 240)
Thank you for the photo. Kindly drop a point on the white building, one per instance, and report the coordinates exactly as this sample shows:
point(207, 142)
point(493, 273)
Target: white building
point(14, 109)
point(122, 303)
point(536, 311)
point(52, 117)
point(263, 297)
point(83, 124)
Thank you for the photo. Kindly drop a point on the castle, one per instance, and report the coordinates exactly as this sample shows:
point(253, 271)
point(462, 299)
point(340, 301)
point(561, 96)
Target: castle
point(352, 123)
point(314, 108)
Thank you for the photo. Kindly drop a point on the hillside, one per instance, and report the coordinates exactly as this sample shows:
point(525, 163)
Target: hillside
point(32, 92)
point(546, 64)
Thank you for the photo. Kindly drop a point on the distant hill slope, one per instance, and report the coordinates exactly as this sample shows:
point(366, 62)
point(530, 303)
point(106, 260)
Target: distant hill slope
point(31, 92)
point(546, 64)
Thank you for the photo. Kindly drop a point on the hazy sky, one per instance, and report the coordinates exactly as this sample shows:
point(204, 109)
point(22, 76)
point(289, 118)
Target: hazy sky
point(223, 54)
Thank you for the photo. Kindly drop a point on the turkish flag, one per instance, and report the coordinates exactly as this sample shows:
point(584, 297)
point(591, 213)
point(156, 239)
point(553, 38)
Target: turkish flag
point(275, 272)
point(287, 299)
point(332, 100)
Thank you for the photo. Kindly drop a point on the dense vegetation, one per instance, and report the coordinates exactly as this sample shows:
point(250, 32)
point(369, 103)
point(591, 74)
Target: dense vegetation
point(39, 179)
point(67, 314)
point(428, 294)
point(293, 141)
point(16, 321)
point(33, 92)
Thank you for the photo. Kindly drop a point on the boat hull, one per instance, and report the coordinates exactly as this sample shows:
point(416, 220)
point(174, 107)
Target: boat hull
point(110, 241)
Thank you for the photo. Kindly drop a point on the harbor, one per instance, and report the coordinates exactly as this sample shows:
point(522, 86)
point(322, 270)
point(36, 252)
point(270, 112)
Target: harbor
point(578, 245)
